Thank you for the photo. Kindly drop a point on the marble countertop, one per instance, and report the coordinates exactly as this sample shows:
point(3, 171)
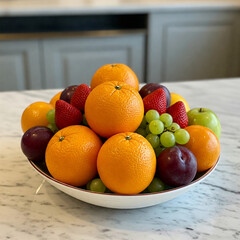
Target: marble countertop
point(33, 209)
point(64, 7)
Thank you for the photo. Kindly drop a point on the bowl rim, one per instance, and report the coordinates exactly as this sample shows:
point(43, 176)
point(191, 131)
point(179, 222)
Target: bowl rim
point(41, 172)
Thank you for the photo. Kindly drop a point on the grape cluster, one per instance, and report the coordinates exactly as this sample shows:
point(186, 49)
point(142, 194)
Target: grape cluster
point(161, 131)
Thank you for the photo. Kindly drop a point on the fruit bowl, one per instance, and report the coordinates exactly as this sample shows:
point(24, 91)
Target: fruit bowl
point(117, 201)
point(111, 137)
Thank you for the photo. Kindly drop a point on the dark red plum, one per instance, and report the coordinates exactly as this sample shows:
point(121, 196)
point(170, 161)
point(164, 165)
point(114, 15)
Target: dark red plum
point(177, 166)
point(151, 87)
point(34, 142)
point(67, 93)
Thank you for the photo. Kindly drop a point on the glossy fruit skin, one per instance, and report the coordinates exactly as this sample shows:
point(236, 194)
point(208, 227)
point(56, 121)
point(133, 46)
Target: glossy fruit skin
point(67, 93)
point(52, 127)
point(34, 142)
point(166, 119)
point(156, 127)
point(126, 163)
point(176, 97)
point(66, 115)
point(79, 97)
point(156, 185)
point(179, 114)
point(156, 101)
point(115, 72)
point(114, 107)
point(35, 115)
point(51, 116)
point(177, 166)
point(204, 144)
point(71, 155)
point(55, 98)
point(97, 185)
point(181, 136)
point(173, 127)
point(151, 115)
point(205, 117)
point(151, 87)
point(153, 140)
point(167, 139)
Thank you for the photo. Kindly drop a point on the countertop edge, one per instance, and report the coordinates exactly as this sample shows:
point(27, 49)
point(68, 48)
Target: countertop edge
point(12, 11)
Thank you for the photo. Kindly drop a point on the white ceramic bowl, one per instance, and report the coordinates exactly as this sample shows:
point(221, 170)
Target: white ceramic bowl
point(110, 200)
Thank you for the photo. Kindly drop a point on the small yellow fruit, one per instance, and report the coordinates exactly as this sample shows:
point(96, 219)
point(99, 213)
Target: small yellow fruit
point(35, 115)
point(176, 97)
point(55, 98)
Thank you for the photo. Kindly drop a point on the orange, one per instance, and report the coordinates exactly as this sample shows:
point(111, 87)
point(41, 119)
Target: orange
point(35, 115)
point(115, 72)
point(176, 97)
point(114, 107)
point(126, 163)
point(71, 155)
point(55, 98)
point(205, 146)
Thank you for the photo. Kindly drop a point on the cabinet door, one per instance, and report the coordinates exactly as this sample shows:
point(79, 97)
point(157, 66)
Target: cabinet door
point(19, 65)
point(74, 61)
point(197, 45)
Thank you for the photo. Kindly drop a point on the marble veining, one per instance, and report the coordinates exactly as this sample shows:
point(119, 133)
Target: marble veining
point(30, 208)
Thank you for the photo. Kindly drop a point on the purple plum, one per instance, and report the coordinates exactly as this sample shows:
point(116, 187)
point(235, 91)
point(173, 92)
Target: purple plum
point(151, 87)
point(177, 166)
point(67, 93)
point(34, 142)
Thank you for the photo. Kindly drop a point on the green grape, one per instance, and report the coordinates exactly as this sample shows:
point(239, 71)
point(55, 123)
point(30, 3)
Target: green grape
point(53, 127)
point(166, 119)
point(147, 130)
point(173, 127)
point(167, 139)
point(181, 136)
point(51, 116)
point(143, 123)
point(97, 185)
point(141, 131)
point(156, 186)
point(156, 127)
point(84, 121)
point(158, 150)
point(153, 139)
point(152, 115)
point(88, 185)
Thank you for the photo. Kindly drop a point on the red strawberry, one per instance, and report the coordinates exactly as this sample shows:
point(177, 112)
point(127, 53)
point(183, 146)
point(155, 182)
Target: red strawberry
point(179, 114)
point(66, 114)
point(80, 95)
point(156, 100)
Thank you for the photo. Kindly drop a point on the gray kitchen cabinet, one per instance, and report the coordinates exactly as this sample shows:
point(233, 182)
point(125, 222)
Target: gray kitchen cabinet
point(74, 61)
point(19, 65)
point(173, 45)
point(196, 45)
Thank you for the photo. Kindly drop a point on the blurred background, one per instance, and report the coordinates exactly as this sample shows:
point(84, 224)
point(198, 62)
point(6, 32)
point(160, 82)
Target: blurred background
point(57, 43)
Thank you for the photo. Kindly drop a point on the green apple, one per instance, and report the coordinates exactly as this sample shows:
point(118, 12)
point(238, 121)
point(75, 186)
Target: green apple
point(204, 117)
